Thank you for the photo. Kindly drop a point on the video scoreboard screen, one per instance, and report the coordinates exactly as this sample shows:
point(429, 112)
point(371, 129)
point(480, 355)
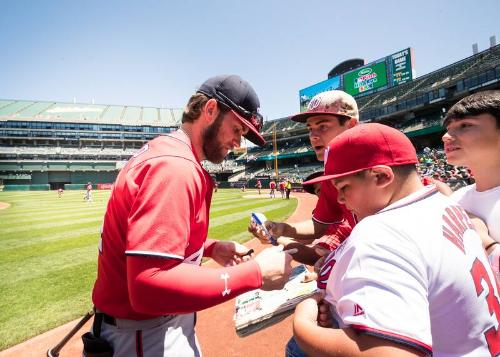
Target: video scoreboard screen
point(308, 93)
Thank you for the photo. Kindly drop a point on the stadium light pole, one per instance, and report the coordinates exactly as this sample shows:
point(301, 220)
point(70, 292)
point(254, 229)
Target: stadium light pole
point(275, 152)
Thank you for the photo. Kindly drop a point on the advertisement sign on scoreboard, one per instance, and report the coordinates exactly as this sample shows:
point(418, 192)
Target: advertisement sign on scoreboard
point(308, 93)
point(401, 66)
point(366, 78)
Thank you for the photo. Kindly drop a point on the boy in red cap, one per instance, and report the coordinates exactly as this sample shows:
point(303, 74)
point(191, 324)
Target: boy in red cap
point(412, 279)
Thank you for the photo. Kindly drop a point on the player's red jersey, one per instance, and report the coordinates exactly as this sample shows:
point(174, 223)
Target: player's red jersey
point(334, 236)
point(272, 185)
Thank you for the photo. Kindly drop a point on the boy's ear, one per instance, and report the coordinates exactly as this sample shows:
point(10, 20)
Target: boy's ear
point(383, 175)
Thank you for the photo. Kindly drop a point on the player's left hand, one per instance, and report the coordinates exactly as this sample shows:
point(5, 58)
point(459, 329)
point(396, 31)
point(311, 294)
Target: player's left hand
point(230, 253)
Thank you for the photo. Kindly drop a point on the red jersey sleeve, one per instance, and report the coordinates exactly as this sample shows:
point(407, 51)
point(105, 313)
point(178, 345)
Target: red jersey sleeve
point(163, 286)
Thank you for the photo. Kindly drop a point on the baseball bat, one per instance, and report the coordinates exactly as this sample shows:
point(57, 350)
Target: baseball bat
point(54, 351)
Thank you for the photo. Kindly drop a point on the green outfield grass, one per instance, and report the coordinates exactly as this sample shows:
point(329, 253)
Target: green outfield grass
point(48, 252)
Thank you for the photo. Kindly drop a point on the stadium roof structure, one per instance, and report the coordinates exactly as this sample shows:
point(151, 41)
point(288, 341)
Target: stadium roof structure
point(24, 110)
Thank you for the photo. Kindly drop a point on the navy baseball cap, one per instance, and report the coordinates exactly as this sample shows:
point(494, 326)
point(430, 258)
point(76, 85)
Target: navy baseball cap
point(238, 95)
point(310, 188)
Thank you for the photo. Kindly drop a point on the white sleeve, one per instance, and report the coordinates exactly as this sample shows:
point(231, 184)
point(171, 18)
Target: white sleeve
point(380, 285)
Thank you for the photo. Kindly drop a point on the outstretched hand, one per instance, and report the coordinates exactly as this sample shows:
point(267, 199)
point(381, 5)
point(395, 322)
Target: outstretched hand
point(314, 310)
point(230, 253)
point(274, 228)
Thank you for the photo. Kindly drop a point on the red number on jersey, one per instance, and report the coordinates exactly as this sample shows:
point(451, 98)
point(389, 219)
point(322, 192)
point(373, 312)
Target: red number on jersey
point(492, 335)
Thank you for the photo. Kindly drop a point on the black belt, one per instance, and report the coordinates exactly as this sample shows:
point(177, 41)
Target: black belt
point(110, 320)
point(102, 316)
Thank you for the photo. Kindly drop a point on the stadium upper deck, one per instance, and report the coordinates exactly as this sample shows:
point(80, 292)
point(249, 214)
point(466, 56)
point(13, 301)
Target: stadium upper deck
point(63, 143)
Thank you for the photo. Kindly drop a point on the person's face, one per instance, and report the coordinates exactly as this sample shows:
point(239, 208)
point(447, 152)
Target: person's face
point(322, 129)
point(472, 140)
point(360, 194)
point(223, 135)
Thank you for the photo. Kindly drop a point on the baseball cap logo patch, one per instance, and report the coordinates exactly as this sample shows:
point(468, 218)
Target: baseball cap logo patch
point(314, 103)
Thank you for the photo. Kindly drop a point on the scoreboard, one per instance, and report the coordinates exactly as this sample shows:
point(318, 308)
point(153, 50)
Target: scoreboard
point(381, 74)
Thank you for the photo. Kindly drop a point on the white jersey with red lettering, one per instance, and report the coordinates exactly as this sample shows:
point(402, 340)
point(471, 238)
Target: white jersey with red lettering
point(484, 204)
point(415, 273)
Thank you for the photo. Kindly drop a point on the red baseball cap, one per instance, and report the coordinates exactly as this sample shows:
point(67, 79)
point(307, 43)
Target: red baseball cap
point(363, 147)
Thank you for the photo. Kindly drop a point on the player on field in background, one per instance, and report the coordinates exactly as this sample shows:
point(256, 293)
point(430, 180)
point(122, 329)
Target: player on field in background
point(258, 185)
point(472, 139)
point(59, 192)
point(329, 114)
point(398, 287)
point(272, 189)
point(88, 196)
point(282, 188)
point(150, 282)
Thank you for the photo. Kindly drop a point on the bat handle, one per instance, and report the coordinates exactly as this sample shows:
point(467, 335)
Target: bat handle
point(54, 351)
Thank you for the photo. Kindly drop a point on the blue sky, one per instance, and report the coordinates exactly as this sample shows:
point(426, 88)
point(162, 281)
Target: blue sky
point(156, 53)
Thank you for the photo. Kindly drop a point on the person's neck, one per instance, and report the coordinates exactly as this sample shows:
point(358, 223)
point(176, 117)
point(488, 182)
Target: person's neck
point(487, 176)
point(405, 188)
point(194, 134)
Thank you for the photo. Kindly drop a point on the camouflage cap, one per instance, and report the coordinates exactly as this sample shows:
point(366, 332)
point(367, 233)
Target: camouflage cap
point(333, 102)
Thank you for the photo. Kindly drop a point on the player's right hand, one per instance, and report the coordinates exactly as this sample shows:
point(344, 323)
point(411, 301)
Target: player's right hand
point(275, 267)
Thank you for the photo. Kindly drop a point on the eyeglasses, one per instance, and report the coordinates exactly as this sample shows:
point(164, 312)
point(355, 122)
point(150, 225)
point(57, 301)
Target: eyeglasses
point(255, 119)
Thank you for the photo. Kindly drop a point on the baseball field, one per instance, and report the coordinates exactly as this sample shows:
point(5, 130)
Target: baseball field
point(48, 252)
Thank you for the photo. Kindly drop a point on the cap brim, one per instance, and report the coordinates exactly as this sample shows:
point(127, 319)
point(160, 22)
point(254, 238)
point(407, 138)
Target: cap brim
point(253, 135)
point(302, 117)
point(331, 177)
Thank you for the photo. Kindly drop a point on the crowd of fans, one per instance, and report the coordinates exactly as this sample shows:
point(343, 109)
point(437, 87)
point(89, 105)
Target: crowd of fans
point(433, 165)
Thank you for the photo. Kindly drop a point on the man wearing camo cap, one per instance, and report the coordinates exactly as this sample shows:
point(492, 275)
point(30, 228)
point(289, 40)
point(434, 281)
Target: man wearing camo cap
point(328, 114)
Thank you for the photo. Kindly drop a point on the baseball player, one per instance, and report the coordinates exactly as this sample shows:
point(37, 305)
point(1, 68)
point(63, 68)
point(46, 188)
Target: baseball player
point(472, 139)
point(329, 114)
point(258, 185)
point(399, 287)
point(88, 196)
point(272, 189)
point(282, 188)
point(150, 282)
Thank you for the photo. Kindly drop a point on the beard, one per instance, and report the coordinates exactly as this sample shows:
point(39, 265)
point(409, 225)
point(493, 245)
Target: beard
point(212, 147)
